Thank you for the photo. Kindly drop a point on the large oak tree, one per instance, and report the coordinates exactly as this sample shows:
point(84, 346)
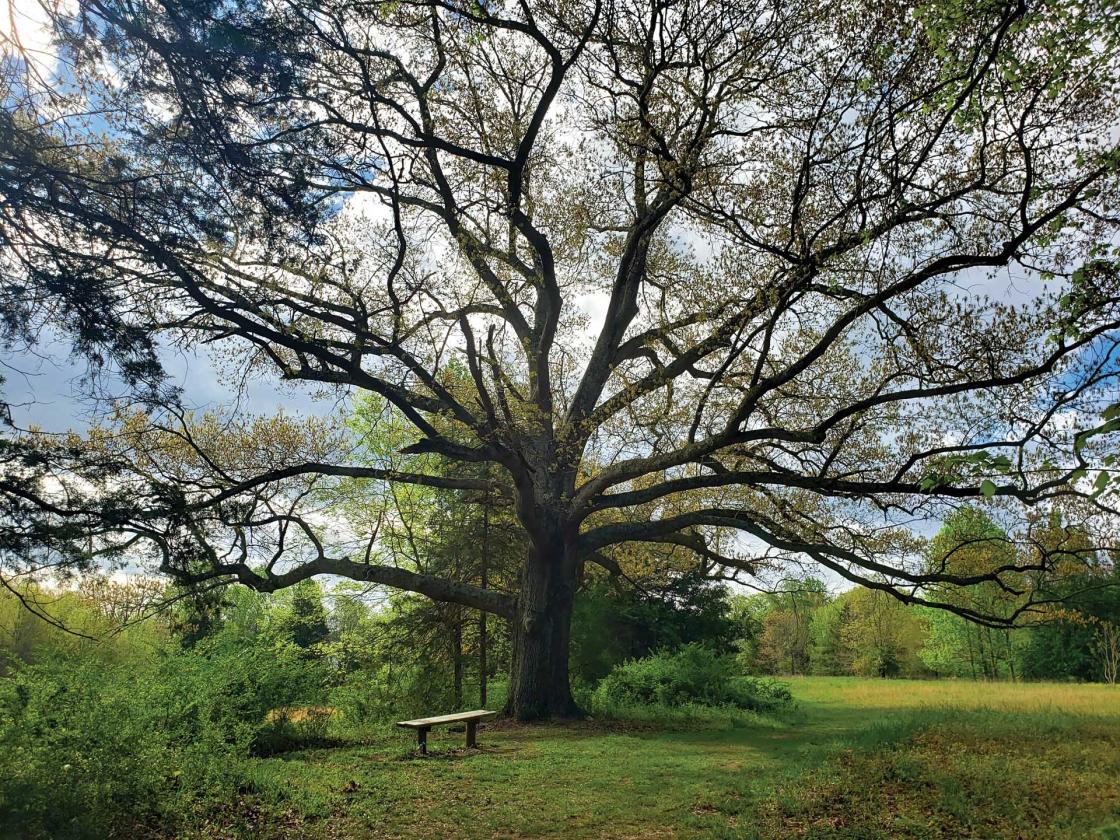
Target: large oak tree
point(706, 274)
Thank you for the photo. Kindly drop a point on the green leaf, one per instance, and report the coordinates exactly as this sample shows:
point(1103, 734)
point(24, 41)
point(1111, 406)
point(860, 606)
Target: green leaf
point(1101, 483)
point(987, 488)
point(1111, 426)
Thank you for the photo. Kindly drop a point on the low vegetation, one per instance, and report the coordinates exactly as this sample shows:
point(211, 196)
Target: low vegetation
point(860, 759)
point(692, 674)
point(275, 722)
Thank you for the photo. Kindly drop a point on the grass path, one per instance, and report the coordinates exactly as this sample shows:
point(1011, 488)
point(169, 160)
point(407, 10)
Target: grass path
point(863, 759)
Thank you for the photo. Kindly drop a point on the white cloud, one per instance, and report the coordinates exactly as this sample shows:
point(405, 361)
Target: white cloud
point(594, 306)
point(25, 29)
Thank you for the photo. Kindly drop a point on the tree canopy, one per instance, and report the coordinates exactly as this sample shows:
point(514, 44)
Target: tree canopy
point(702, 274)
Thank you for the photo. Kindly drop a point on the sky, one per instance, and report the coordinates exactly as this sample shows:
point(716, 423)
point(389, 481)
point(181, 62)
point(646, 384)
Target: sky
point(48, 387)
point(26, 20)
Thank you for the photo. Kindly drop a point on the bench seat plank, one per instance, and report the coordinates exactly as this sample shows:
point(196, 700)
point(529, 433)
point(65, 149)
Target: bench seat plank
point(425, 723)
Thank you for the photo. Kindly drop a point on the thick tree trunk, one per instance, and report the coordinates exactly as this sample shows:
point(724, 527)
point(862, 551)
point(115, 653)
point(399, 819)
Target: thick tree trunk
point(539, 687)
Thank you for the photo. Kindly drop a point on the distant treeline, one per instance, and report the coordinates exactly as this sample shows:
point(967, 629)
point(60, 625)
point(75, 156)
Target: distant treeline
point(867, 633)
point(1073, 635)
point(402, 653)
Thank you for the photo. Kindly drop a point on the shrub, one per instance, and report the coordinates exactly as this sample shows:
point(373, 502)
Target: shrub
point(367, 698)
point(233, 687)
point(88, 747)
point(77, 745)
point(691, 674)
point(761, 694)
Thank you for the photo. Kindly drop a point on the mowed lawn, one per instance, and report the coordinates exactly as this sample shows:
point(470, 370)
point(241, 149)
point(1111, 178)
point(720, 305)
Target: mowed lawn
point(860, 759)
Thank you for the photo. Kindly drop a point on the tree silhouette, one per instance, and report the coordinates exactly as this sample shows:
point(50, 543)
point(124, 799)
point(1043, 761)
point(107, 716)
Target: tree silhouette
point(710, 269)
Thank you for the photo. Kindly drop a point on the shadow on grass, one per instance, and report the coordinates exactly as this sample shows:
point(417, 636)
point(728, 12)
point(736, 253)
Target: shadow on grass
point(456, 753)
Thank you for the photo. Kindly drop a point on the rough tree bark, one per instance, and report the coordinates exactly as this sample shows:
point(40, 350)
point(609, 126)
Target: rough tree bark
point(539, 686)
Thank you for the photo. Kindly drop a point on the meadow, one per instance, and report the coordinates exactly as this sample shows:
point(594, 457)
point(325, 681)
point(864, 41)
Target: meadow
point(857, 758)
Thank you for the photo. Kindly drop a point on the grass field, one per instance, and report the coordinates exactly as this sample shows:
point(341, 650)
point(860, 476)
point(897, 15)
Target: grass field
point(859, 759)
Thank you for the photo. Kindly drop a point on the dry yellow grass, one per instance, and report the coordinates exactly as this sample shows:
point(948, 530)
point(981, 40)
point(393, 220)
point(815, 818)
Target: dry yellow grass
point(1096, 700)
point(301, 714)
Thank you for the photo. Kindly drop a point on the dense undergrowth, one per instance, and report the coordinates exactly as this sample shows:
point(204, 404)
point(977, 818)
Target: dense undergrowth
point(689, 675)
point(86, 745)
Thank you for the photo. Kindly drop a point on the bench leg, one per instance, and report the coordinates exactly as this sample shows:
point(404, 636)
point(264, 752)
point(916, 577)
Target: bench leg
point(471, 726)
point(422, 739)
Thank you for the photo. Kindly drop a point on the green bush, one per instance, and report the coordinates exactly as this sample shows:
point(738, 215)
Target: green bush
point(235, 686)
point(692, 674)
point(78, 745)
point(88, 748)
point(761, 694)
point(365, 699)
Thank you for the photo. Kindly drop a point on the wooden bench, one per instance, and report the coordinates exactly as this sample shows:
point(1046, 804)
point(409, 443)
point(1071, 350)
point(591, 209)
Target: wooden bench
point(424, 725)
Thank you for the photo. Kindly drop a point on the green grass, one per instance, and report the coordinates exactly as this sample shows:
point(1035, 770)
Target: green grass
point(861, 759)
